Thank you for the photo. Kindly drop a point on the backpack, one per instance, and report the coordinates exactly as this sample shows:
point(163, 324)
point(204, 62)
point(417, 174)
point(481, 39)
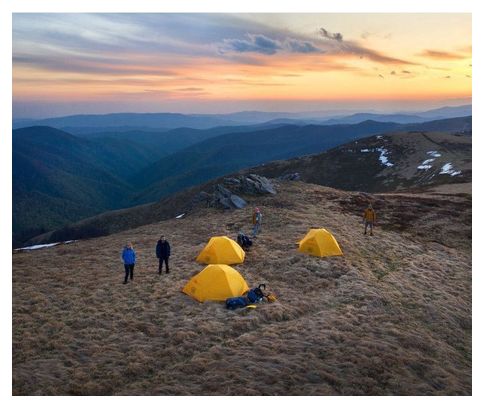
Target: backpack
point(244, 241)
point(236, 302)
point(256, 295)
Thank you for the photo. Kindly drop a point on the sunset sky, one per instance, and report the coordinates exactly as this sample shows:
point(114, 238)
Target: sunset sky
point(217, 63)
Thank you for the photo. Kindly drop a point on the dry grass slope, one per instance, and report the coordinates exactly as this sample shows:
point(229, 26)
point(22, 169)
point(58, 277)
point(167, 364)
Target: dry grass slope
point(393, 316)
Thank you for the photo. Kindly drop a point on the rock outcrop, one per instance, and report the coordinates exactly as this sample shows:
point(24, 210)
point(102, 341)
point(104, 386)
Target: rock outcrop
point(224, 194)
point(252, 184)
point(290, 177)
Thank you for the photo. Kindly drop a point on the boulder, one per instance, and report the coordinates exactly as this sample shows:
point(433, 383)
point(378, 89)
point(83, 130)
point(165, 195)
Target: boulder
point(251, 184)
point(237, 201)
point(225, 198)
point(290, 177)
point(232, 181)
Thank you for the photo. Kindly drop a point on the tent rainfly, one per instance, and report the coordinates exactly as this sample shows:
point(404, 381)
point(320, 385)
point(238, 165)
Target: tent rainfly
point(319, 242)
point(216, 282)
point(221, 250)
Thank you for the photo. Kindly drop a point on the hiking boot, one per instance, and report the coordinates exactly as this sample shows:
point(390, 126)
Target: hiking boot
point(124, 283)
point(364, 233)
point(167, 271)
point(371, 233)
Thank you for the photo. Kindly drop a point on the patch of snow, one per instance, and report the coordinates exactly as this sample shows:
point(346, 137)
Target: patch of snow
point(448, 169)
point(434, 153)
point(364, 150)
point(383, 157)
point(180, 216)
point(425, 164)
point(42, 246)
point(379, 136)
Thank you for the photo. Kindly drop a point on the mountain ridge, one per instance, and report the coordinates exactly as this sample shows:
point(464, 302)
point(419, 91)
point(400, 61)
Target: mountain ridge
point(168, 120)
point(341, 167)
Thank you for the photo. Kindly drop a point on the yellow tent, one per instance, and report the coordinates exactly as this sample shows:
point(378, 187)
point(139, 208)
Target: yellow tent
point(221, 250)
point(216, 282)
point(319, 242)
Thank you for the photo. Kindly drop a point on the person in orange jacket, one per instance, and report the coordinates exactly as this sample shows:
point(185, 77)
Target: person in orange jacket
point(369, 218)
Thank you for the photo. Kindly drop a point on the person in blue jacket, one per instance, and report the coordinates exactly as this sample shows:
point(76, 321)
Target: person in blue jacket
point(163, 253)
point(129, 259)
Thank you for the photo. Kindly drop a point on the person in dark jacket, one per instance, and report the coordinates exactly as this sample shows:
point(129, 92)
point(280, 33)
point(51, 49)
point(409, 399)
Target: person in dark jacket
point(129, 258)
point(163, 254)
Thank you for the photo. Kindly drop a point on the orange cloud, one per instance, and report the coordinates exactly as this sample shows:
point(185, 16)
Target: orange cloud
point(441, 55)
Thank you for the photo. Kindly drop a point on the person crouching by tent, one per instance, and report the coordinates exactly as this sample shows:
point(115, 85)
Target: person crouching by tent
point(369, 218)
point(129, 258)
point(163, 254)
point(256, 221)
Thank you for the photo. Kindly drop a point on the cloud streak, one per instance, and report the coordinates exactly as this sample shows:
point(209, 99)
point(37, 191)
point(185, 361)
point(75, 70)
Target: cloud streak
point(257, 43)
point(353, 48)
point(262, 44)
point(441, 55)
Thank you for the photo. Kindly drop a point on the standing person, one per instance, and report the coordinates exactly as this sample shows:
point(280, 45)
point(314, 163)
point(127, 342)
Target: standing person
point(129, 259)
point(256, 221)
point(369, 218)
point(163, 253)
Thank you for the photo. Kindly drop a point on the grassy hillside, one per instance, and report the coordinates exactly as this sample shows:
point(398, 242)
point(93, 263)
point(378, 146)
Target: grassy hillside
point(232, 152)
point(354, 166)
point(59, 178)
point(398, 161)
point(390, 317)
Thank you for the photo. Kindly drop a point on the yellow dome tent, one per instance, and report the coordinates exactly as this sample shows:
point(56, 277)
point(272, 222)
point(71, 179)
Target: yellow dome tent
point(221, 250)
point(216, 282)
point(319, 242)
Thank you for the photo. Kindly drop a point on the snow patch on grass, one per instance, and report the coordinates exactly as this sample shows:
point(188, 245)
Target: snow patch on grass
point(426, 164)
point(384, 157)
point(447, 168)
point(42, 246)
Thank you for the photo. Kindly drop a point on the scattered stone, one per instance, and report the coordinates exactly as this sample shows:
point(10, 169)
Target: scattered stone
point(222, 196)
point(254, 184)
point(222, 191)
point(237, 201)
point(290, 177)
point(202, 197)
point(232, 181)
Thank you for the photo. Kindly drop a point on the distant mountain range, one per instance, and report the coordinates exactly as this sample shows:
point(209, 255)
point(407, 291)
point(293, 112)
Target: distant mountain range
point(82, 124)
point(59, 178)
